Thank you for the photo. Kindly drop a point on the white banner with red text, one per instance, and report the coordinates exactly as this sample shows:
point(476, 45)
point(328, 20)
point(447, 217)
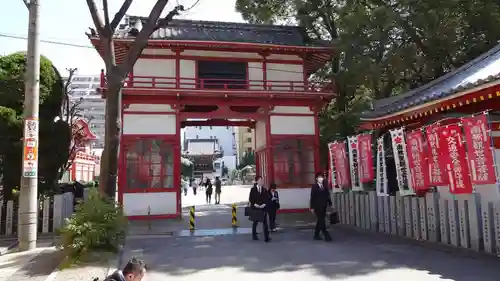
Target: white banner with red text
point(352, 142)
point(401, 162)
point(381, 181)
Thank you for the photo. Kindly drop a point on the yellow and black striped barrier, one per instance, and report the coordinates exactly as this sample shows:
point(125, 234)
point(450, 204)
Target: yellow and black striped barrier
point(234, 220)
point(191, 218)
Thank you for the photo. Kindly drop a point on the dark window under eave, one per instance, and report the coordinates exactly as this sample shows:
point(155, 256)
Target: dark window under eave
point(222, 75)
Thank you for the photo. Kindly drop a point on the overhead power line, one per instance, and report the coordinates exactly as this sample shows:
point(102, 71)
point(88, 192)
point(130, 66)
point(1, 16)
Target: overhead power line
point(62, 43)
point(21, 37)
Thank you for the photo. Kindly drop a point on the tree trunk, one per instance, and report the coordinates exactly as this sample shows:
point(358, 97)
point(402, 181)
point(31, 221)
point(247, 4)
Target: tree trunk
point(109, 159)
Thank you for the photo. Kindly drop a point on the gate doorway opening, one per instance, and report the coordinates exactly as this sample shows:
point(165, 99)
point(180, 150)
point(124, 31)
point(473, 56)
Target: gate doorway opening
point(217, 148)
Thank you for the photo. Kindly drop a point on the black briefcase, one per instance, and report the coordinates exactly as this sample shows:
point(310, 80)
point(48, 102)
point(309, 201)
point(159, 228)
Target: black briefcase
point(247, 211)
point(334, 217)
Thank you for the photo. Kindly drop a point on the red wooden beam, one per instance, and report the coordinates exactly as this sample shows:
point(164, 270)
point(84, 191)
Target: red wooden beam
point(218, 122)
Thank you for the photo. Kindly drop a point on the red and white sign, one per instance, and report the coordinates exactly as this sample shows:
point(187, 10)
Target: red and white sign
point(366, 173)
point(437, 167)
point(417, 160)
point(479, 152)
point(341, 164)
point(454, 155)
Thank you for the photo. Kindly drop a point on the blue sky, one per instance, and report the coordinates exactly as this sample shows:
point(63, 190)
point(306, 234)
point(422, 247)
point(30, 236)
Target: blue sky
point(68, 20)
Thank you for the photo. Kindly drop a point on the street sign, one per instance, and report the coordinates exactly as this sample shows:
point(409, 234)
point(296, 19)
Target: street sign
point(30, 149)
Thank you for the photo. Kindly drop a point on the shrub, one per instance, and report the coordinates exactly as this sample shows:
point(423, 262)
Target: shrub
point(97, 226)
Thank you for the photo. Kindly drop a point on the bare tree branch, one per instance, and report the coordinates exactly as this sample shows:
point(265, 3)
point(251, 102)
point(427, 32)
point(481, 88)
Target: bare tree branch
point(67, 91)
point(105, 8)
point(141, 41)
point(26, 3)
point(169, 17)
point(120, 14)
point(96, 18)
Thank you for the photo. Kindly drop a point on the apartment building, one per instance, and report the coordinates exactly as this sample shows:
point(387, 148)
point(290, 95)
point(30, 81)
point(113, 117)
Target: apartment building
point(245, 141)
point(92, 105)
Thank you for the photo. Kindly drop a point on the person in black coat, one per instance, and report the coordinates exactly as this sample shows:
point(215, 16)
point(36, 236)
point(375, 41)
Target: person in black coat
point(274, 206)
point(319, 201)
point(259, 199)
point(208, 190)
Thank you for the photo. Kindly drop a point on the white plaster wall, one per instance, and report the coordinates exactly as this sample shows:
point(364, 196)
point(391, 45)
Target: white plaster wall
point(255, 76)
point(149, 124)
point(159, 203)
point(292, 125)
point(292, 110)
point(187, 74)
point(162, 69)
point(138, 107)
point(260, 134)
point(294, 198)
point(285, 77)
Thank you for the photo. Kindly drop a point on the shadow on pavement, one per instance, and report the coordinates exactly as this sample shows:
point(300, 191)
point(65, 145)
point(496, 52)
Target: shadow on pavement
point(294, 252)
point(37, 263)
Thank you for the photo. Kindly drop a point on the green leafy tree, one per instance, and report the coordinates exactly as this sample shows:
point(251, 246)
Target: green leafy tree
point(386, 47)
point(52, 134)
point(247, 159)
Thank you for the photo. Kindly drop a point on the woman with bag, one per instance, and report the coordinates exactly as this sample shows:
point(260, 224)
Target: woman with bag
point(274, 206)
point(208, 191)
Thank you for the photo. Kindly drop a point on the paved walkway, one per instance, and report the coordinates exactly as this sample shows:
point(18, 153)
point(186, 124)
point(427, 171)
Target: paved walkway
point(216, 251)
point(295, 256)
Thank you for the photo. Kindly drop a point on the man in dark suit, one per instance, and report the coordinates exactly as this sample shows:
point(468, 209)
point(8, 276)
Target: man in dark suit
point(259, 202)
point(319, 201)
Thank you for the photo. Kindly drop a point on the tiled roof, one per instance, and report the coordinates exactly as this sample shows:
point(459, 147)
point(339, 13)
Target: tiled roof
point(226, 32)
point(484, 69)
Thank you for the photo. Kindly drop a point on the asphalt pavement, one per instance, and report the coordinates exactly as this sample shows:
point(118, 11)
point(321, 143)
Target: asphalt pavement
point(294, 255)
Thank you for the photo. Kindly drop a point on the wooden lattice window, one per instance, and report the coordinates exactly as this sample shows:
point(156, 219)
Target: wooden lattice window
point(293, 163)
point(149, 164)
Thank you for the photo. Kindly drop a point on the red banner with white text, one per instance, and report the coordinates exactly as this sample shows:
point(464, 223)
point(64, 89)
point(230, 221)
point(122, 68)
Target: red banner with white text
point(454, 156)
point(479, 151)
point(417, 160)
point(437, 167)
point(341, 164)
point(366, 173)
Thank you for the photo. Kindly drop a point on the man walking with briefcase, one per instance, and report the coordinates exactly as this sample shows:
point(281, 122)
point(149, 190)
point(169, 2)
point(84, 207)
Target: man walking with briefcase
point(319, 201)
point(259, 202)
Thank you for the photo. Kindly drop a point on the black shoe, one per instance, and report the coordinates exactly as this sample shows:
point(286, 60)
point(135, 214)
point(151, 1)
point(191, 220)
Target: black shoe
point(317, 237)
point(255, 238)
point(328, 238)
point(268, 240)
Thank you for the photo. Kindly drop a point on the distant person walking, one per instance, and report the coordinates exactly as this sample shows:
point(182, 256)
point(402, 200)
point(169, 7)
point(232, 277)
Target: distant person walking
point(194, 185)
point(184, 185)
point(208, 191)
point(218, 190)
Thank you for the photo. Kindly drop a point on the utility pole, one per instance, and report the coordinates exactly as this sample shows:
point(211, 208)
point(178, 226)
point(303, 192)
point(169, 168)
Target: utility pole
point(28, 207)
